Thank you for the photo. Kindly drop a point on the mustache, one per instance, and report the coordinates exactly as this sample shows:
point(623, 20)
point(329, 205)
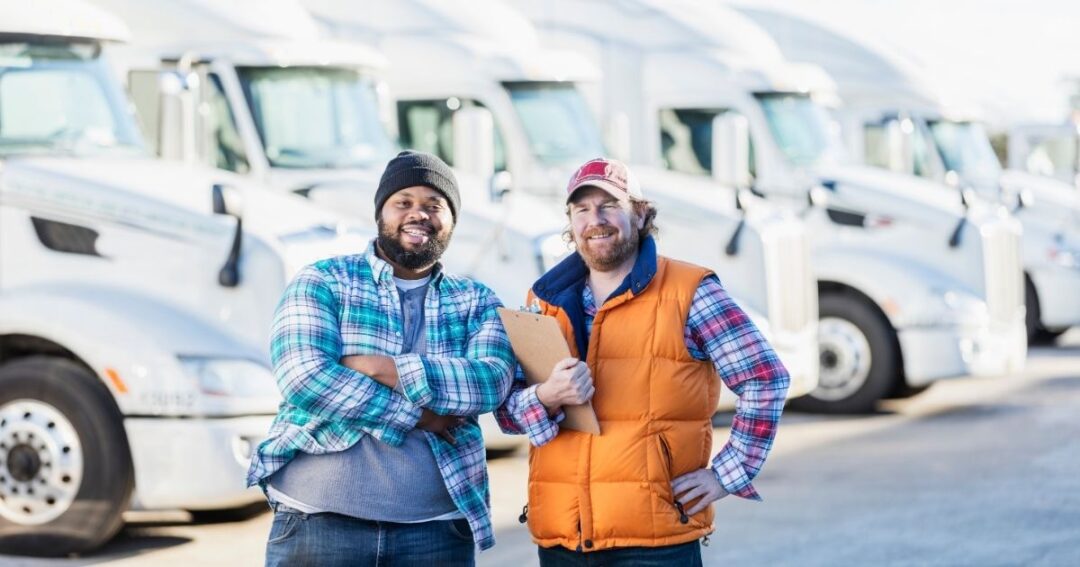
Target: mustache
point(598, 231)
point(420, 225)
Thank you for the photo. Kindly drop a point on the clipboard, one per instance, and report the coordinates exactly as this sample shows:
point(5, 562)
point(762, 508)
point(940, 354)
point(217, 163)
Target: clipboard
point(538, 344)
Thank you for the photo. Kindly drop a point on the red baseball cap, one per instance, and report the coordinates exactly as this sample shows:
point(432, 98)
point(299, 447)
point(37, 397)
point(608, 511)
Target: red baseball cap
point(611, 175)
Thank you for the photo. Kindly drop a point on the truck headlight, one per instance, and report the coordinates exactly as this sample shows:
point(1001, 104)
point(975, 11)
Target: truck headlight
point(1063, 256)
point(230, 378)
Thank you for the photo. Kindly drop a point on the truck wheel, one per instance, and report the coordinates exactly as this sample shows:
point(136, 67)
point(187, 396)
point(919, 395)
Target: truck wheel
point(859, 358)
point(903, 391)
point(1033, 315)
point(65, 466)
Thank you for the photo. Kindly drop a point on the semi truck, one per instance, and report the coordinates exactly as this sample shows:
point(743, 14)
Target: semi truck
point(136, 298)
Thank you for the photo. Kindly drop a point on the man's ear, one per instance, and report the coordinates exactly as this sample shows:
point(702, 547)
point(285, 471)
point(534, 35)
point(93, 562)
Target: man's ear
point(639, 217)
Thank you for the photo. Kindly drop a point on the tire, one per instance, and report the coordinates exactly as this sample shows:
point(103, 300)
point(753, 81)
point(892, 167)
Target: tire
point(859, 357)
point(903, 391)
point(502, 453)
point(1033, 314)
point(47, 404)
point(1047, 337)
point(1038, 335)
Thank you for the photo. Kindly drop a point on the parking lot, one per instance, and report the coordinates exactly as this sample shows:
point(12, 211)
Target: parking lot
point(972, 472)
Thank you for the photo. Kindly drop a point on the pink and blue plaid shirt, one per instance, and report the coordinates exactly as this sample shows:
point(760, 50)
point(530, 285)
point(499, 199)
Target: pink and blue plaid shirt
point(350, 305)
point(718, 330)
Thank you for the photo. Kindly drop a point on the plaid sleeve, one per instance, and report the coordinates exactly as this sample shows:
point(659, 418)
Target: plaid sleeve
point(523, 414)
point(472, 384)
point(718, 329)
point(305, 348)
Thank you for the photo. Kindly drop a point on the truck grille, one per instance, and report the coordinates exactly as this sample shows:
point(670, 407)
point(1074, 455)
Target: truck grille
point(792, 291)
point(1004, 274)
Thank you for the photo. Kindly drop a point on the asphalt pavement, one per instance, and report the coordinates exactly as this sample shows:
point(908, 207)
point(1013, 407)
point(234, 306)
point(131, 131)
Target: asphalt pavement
point(972, 472)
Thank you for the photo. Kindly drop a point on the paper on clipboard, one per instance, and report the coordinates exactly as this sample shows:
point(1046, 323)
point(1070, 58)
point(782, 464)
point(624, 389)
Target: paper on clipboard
point(538, 344)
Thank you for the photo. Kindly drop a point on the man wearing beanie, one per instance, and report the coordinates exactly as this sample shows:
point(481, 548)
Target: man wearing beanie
point(384, 361)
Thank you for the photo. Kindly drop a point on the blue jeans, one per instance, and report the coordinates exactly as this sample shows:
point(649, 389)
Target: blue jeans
point(328, 540)
point(682, 555)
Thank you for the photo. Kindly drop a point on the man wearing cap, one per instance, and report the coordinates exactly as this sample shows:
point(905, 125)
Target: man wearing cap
point(384, 360)
point(657, 336)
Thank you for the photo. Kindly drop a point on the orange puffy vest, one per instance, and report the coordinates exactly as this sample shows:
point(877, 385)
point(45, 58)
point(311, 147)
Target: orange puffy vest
point(654, 403)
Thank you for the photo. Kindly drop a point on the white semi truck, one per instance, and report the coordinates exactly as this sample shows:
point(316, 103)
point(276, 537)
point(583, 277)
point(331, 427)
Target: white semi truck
point(274, 101)
point(135, 298)
point(446, 58)
point(914, 285)
point(894, 118)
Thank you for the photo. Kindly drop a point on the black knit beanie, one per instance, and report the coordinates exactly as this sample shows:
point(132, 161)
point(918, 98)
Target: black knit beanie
point(409, 169)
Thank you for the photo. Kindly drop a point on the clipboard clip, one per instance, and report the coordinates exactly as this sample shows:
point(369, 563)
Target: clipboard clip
point(533, 307)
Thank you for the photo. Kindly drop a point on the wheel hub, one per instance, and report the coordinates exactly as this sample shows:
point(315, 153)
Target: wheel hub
point(829, 359)
point(23, 463)
point(845, 358)
point(41, 462)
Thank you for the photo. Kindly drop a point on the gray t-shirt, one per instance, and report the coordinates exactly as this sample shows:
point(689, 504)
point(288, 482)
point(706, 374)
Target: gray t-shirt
point(372, 480)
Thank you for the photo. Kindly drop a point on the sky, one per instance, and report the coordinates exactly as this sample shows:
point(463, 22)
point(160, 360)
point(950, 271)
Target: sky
point(1011, 56)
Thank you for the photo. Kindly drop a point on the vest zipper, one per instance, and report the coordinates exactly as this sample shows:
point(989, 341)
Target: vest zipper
point(524, 517)
point(683, 518)
point(667, 452)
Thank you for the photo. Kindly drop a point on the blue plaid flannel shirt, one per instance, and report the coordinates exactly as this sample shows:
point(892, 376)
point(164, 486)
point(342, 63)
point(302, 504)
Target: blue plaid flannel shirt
point(349, 305)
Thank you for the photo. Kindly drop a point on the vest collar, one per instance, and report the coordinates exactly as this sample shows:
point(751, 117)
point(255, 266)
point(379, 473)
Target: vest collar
point(562, 286)
point(572, 271)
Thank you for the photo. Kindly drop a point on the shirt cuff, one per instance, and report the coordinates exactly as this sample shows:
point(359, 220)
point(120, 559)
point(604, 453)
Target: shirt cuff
point(412, 378)
point(732, 476)
point(402, 419)
point(538, 425)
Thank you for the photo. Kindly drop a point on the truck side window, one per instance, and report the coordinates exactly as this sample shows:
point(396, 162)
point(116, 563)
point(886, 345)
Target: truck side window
point(427, 126)
point(227, 146)
point(686, 140)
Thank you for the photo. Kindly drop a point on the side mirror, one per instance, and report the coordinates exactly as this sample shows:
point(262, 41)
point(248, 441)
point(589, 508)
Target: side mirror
point(229, 275)
point(901, 147)
point(1024, 199)
point(968, 196)
point(474, 142)
point(226, 201)
point(731, 150)
point(387, 108)
point(618, 136)
point(818, 196)
point(501, 185)
point(179, 98)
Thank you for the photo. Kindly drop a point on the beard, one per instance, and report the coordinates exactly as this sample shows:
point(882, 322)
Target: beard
point(426, 254)
point(602, 261)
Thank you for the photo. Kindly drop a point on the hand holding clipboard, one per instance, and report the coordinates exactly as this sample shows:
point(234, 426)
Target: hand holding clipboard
point(538, 345)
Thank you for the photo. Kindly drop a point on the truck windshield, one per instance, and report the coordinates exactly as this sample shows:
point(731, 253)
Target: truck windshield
point(557, 122)
point(801, 128)
point(60, 98)
point(965, 149)
point(316, 117)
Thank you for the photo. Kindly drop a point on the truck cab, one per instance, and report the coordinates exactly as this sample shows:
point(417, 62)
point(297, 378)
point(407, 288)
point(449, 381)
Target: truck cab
point(135, 299)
